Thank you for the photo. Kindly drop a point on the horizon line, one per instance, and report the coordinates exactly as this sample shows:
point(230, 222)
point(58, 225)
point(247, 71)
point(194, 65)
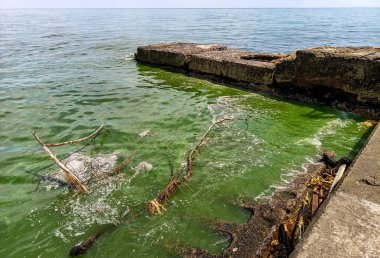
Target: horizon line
point(336, 7)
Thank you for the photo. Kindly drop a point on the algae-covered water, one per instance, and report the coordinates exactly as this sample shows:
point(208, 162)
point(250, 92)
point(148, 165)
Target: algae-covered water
point(63, 73)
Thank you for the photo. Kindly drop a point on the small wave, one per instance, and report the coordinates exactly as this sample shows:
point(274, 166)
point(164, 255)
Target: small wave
point(55, 48)
point(53, 36)
point(236, 138)
point(329, 129)
point(85, 211)
point(286, 179)
point(129, 57)
point(231, 106)
point(104, 47)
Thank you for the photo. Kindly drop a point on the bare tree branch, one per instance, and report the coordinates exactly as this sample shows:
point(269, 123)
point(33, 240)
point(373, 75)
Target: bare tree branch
point(70, 176)
point(77, 140)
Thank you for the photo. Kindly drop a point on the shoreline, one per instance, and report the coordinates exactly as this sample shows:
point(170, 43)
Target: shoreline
point(351, 214)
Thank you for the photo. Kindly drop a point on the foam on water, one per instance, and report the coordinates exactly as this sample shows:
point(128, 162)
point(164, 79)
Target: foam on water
point(100, 206)
point(231, 106)
point(84, 211)
point(129, 57)
point(86, 168)
point(231, 135)
point(329, 129)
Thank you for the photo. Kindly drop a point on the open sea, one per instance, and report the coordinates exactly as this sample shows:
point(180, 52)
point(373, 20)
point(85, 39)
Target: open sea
point(64, 72)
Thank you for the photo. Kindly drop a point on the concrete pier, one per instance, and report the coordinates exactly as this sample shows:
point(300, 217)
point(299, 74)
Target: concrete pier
point(346, 78)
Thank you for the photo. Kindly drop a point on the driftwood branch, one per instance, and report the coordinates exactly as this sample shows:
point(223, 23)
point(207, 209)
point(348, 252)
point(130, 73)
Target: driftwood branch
point(89, 241)
point(70, 176)
point(200, 141)
point(189, 160)
point(116, 169)
point(338, 176)
point(155, 206)
point(77, 140)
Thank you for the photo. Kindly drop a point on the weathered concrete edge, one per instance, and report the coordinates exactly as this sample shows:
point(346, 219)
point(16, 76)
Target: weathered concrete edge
point(349, 204)
point(301, 75)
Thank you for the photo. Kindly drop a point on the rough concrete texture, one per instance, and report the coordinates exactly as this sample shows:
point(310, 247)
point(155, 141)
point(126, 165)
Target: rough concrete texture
point(352, 71)
point(347, 78)
point(173, 54)
point(216, 60)
point(349, 226)
point(235, 64)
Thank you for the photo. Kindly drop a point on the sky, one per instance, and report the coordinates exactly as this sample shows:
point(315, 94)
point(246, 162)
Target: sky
point(187, 4)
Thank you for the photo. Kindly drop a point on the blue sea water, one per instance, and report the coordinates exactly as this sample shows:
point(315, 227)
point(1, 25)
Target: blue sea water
point(255, 29)
point(34, 41)
point(63, 72)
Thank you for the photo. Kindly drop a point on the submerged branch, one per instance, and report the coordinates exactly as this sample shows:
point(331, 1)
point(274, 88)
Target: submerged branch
point(205, 135)
point(155, 206)
point(77, 140)
point(70, 176)
point(89, 241)
point(116, 169)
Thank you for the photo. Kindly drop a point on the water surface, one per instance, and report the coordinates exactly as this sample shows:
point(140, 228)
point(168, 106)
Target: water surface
point(65, 72)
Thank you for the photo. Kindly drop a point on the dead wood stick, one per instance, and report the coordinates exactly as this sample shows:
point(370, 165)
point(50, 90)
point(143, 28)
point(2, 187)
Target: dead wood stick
point(89, 241)
point(205, 135)
point(77, 140)
point(70, 176)
point(116, 169)
point(84, 245)
point(155, 206)
point(189, 159)
point(113, 172)
point(338, 176)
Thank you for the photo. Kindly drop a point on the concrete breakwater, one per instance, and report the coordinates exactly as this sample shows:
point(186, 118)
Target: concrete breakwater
point(347, 78)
